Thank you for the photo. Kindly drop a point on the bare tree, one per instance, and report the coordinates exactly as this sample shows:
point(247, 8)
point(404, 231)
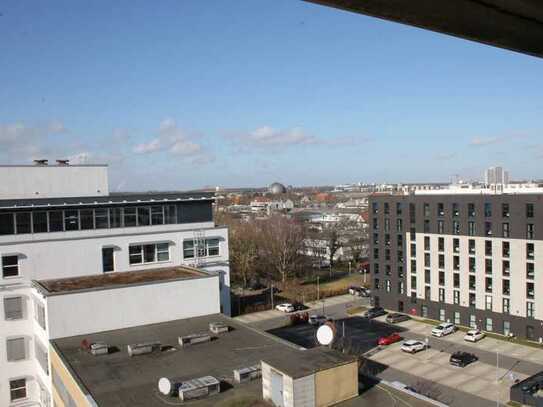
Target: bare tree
point(243, 246)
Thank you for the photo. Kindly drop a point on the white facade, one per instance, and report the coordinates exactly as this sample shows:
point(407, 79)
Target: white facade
point(52, 181)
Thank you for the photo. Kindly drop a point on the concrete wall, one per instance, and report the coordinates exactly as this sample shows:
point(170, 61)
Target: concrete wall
point(20, 182)
point(304, 391)
point(337, 384)
point(103, 310)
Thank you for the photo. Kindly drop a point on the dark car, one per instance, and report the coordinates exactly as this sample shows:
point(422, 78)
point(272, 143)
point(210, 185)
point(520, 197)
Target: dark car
point(374, 312)
point(462, 359)
point(397, 317)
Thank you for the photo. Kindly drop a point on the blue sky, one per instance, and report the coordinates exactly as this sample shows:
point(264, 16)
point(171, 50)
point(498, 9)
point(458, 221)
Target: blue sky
point(185, 94)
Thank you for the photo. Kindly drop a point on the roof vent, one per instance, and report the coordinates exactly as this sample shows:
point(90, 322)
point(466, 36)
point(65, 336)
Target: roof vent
point(99, 348)
point(247, 374)
point(41, 162)
point(63, 162)
point(194, 339)
point(190, 389)
point(142, 348)
point(218, 327)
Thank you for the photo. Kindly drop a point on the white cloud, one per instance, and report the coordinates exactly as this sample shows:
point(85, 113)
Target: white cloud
point(149, 147)
point(485, 141)
point(80, 158)
point(268, 136)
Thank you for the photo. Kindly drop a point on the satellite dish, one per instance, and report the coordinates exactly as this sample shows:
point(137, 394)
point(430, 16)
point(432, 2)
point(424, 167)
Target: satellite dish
point(167, 386)
point(326, 334)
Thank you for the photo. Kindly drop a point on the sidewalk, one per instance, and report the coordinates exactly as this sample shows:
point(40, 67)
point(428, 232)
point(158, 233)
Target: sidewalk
point(313, 306)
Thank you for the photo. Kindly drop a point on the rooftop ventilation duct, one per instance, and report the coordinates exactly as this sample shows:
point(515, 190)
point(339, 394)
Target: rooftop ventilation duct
point(218, 327)
point(247, 374)
point(190, 389)
point(142, 348)
point(99, 348)
point(193, 339)
point(41, 162)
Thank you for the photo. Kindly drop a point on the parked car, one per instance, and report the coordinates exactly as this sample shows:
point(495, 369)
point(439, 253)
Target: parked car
point(298, 306)
point(286, 307)
point(359, 291)
point(443, 329)
point(389, 340)
point(374, 312)
point(413, 346)
point(462, 359)
point(474, 335)
point(317, 320)
point(396, 317)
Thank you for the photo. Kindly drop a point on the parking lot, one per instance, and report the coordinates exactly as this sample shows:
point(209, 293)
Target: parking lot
point(481, 383)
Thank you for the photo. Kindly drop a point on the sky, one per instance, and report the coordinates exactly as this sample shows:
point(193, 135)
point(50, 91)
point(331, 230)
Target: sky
point(177, 95)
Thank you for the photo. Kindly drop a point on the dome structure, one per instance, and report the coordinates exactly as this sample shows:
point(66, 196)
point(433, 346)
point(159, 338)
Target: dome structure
point(277, 188)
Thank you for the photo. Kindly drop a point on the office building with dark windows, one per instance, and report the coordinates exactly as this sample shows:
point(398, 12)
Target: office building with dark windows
point(471, 255)
point(155, 257)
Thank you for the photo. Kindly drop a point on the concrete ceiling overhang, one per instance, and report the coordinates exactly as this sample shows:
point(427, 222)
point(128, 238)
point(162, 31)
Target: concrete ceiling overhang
point(515, 25)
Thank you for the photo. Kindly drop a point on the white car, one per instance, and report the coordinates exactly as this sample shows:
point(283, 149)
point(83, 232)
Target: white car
point(474, 335)
point(413, 346)
point(285, 307)
point(443, 329)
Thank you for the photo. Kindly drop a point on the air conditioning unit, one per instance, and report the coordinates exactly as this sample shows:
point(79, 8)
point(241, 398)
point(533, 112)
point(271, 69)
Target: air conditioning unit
point(199, 388)
point(194, 339)
point(142, 348)
point(99, 348)
point(218, 327)
point(247, 374)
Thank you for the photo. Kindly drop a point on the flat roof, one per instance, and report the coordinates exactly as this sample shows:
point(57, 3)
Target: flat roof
point(111, 199)
point(116, 279)
point(119, 380)
point(308, 362)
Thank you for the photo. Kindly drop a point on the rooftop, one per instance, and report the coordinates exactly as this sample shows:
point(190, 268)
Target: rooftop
point(119, 380)
point(116, 280)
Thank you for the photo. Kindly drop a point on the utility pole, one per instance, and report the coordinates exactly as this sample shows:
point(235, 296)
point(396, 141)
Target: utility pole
point(271, 293)
point(318, 289)
point(349, 267)
point(497, 379)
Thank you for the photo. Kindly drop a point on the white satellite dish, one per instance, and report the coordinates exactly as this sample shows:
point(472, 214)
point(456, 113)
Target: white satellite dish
point(326, 334)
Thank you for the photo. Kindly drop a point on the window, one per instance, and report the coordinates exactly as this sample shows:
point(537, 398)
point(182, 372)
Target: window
point(488, 302)
point(375, 207)
point(488, 266)
point(440, 227)
point(376, 284)
point(506, 249)
point(441, 263)
point(413, 266)
point(488, 248)
point(472, 265)
point(188, 252)
point(101, 218)
point(456, 263)
point(506, 287)
point(398, 208)
point(530, 251)
point(488, 228)
point(441, 293)
point(530, 210)
point(387, 286)
point(440, 209)
point(39, 314)
point(426, 210)
point(472, 321)
point(400, 271)
point(427, 276)
point(56, 221)
point(149, 253)
point(413, 250)
point(530, 231)
point(130, 217)
point(211, 248)
point(457, 317)
point(456, 227)
point(530, 271)
point(115, 217)
point(472, 282)
point(488, 284)
point(10, 266)
point(471, 210)
point(17, 389)
point(13, 308)
point(412, 212)
point(456, 280)
point(143, 216)
point(426, 242)
point(387, 239)
point(471, 228)
point(456, 245)
point(7, 224)
point(488, 209)
point(387, 208)
point(387, 225)
point(23, 223)
point(441, 278)
point(442, 315)
point(505, 229)
point(426, 226)
point(506, 328)
point(488, 325)
point(441, 244)
point(375, 224)
point(506, 307)
point(455, 210)
point(375, 253)
point(530, 291)
point(400, 287)
point(472, 299)
point(471, 246)
point(41, 355)
point(87, 219)
point(426, 259)
point(376, 238)
point(399, 225)
point(387, 270)
point(16, 349)
point(505, 210)
point(456, 297)
point(71, 219)
point(424, 311)
point(108, 263)
point(39, 222)
point(506, 267)
point(413, 283)
point(530, 309)
point(412, 233)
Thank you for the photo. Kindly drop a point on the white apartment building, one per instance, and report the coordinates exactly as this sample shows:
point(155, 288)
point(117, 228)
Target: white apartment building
point(67, 225)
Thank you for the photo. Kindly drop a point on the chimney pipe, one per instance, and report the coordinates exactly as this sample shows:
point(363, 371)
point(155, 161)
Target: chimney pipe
point(63, 162)
point(41, 162)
